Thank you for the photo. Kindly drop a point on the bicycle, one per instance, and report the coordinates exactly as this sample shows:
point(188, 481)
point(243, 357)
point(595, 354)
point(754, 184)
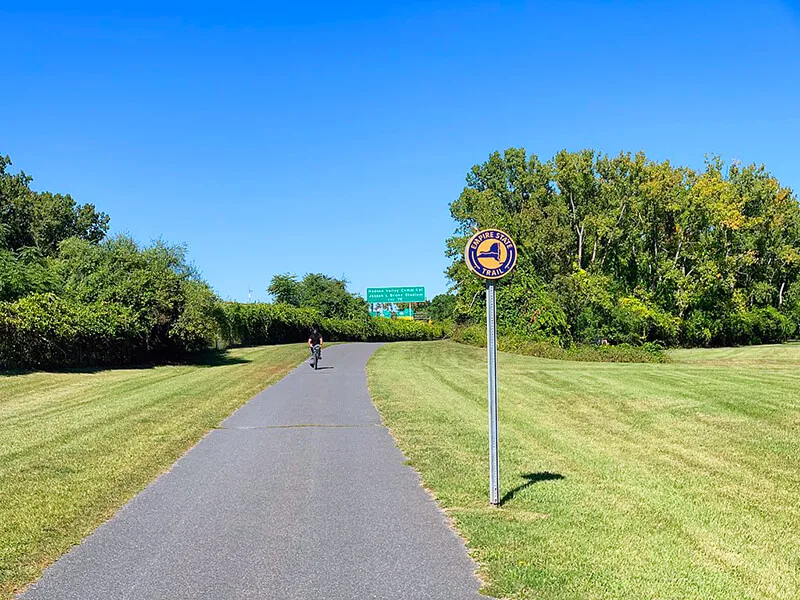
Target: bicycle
point(316, 355)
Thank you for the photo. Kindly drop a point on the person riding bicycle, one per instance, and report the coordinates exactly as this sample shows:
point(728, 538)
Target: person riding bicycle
point(314, 339)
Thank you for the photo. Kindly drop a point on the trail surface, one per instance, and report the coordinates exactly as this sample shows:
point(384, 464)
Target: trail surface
point(301, 493)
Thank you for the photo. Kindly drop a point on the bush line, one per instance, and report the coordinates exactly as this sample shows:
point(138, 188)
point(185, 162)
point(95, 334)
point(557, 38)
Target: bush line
point(650, 352)
point(43, 331)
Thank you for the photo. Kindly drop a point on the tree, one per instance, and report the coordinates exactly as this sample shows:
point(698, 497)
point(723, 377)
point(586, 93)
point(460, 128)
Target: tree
point(49, 243)
point(16, 207)
point(174, 306)
point(633, 250)
point(57, 217)
point(442, 307)
point(43, 220)
point(24, 272)
point(285, 289)
point(325, 294)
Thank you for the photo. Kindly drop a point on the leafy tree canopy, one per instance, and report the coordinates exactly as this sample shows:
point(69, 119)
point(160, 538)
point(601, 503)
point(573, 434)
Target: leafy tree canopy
point(32, 225)
point(629, 249)
point(156, 282)
point(41, 219)
point(327, 295)
point(442, 307)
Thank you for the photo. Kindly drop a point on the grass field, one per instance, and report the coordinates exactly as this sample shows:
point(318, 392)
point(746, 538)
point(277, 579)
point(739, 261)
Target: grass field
point(76, 446)
point(623, 481)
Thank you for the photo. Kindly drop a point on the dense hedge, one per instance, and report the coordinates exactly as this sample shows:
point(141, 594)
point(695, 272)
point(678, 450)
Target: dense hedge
point(47, 331)
point(475, 335)
point(254, 324)
point(765, 325)
point(43, 330)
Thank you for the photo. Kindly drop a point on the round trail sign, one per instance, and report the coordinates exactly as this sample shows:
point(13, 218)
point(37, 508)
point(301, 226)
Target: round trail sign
point(491, 254)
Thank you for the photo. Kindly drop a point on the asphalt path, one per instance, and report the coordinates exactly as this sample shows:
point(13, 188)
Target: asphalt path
point(301, 493)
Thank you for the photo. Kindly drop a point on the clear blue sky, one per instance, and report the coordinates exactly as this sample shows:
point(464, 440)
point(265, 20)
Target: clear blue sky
point(331, 139)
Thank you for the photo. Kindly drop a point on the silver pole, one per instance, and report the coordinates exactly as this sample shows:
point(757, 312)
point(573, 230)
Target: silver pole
point(491, 337)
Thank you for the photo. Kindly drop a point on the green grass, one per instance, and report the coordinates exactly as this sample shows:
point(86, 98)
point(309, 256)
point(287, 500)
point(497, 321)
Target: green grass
point(75, 446)
point(623, 481)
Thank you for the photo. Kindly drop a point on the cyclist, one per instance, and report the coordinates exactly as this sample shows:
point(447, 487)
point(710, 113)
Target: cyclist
point(314, 339)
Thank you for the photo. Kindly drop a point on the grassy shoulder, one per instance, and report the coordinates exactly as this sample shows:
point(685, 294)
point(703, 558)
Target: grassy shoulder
point(75, 446)
point(621, 481)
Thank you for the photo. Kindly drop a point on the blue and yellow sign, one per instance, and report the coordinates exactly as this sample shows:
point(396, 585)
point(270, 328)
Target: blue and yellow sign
point(491, 254)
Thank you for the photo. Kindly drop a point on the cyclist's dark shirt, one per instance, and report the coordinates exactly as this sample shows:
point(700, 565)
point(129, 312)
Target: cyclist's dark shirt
point(315, 338)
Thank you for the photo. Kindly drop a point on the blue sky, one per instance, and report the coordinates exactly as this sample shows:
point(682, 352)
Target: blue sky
point(323, 138)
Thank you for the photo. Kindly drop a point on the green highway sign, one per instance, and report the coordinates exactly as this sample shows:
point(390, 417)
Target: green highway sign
point(395, 294)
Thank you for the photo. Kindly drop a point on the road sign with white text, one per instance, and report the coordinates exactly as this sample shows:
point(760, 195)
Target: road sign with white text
point(395, 294)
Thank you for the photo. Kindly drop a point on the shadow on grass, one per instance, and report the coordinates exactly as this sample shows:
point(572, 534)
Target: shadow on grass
point(210, 358)
point(214, 358)
point(530, 479)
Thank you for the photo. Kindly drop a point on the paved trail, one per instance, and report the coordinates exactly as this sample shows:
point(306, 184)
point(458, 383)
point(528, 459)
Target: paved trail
point(299, 494)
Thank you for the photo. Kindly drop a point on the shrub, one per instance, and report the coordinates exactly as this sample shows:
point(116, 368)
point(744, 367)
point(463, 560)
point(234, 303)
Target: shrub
point(636, 320)
point(757, 326)
point(46, 331)
point(199, 323)
point(770, 326)
point(700, 329)
point(255, 324)
point(517, 344)
point(442, 307)
point(474, 335)
point(763, 325)
point(43, 330)
point(525, 306)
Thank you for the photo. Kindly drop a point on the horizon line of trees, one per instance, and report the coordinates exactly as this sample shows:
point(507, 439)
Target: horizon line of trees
point(72, 296)
point(633, 250)
point(619, 248)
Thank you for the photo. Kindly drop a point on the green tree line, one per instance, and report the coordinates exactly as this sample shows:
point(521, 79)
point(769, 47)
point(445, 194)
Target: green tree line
point(66, 286)
point(71, 296)
point(327, 295)
point(618, 248)
point(633, 250)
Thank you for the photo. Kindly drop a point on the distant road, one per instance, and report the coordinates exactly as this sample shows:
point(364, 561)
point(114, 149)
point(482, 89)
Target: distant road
point(300, 494)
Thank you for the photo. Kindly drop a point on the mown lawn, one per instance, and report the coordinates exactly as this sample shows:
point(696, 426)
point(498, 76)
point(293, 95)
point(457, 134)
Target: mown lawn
point(623, 481)
point(76, 446)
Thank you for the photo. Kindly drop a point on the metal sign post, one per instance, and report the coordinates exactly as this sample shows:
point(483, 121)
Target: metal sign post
point(491, 337)
point(491, 254)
